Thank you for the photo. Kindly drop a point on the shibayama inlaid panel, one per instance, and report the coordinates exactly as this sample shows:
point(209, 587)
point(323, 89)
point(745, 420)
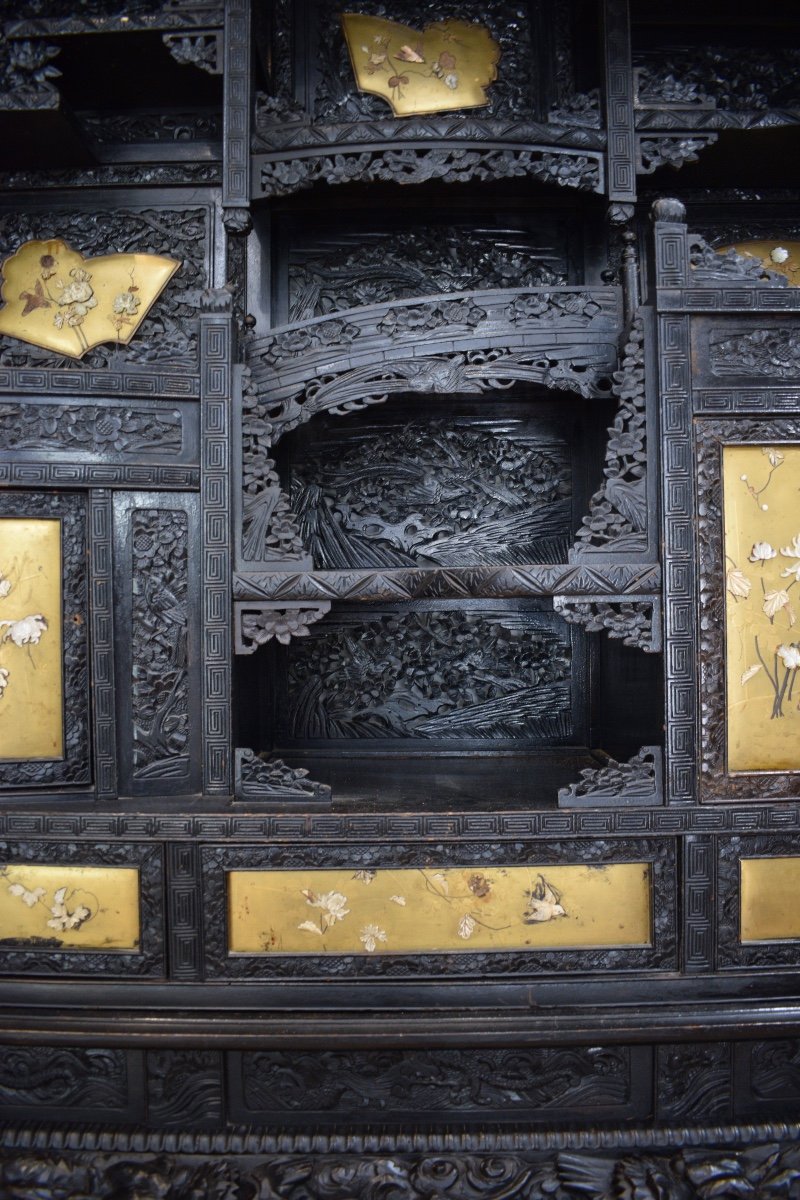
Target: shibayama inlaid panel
point(761, 494)
point(70, 907)
point(449, 909)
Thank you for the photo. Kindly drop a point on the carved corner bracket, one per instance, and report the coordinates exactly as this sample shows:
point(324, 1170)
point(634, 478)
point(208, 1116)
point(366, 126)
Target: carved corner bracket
point(257, 624)
point(202, 48)
point(634, 621)
point(639, 781)
point(258, 778)
point(673, 151)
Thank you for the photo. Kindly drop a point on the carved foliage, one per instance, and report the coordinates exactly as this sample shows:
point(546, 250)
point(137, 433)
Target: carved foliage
point(404, 264)
point(160, 693)
point(53, 1077)
point(774, 352)
point(636, 622)
point(726, 77)
point(670, 151)
point(710, 266)
point(260, 778)
point(431, 675)
point(270, 529)
point(166, 128)
point(639, 778)
point(617, 517)
point(27, 74)
point(89, 428)
point(257, 624)
point(535, 1082)
point(168, 335)
point(282, 176)
point(200, 48)
point(443, 492)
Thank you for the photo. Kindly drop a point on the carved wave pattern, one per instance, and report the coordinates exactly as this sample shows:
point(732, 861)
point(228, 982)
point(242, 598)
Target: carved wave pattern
point(438, 493)
point(431, 675)
point(63, 1078)
point(403, 1082)
point(375, 268)
point(160, 693)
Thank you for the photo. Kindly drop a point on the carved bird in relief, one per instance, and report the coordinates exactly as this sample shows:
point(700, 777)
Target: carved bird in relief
point(544, 903)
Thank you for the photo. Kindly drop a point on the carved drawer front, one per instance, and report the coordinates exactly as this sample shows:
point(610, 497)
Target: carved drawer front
point(759, 882)
point(71, 1083)
point(80, 909)
point(539, 906)
point(761, 351)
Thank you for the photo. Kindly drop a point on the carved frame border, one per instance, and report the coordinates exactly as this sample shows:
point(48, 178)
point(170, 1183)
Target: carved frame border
point(716, 783)
point(74, 767)
point(217, 860)
point(149, 960)
point(731, 951)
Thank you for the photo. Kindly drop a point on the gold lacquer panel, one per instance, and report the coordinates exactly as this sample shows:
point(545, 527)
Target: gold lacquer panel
point(31, 690)
point(770, 899)
point(413, 911)
point(71, 907)
point(761, 498)
point(442, 67)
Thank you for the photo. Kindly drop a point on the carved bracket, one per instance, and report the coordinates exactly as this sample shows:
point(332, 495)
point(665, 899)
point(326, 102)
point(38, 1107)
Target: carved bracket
point(257, 624)
point(27, 74)
point(617, 518)
point(636, 622)
point(639, 781)
point(654, 152)
point(260, 778)
point(201, 48)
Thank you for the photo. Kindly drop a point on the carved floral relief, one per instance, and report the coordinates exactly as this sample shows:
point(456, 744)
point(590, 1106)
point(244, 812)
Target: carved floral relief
point(57, 299)
point(404, 911)
point(447, 66)
point(762, 566)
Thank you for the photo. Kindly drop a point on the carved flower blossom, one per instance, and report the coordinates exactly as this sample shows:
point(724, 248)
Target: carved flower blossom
point(370, 936)
point(126, 304)
point(792, 551)
point(738, 584)
point(762, 552)
point(331, 904)
point(779, 254)
point(62, 918)
point(775, 457)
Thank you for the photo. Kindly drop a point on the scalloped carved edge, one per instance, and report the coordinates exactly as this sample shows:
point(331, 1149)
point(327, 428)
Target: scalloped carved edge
point(257, 624)
point(258, 778)
point(638, 781)
point(636, 621)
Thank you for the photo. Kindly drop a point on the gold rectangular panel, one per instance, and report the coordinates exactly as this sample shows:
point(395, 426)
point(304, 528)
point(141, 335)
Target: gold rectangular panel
point(31, 690)
point(75, 908)
point(770, 899)
point(762, 606)
point(415, 911)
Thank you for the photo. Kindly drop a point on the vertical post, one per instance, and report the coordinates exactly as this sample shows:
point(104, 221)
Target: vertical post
point(618, 80)
point(216, 349)
point(699, 857)
point(237, 105)
point(101, 535)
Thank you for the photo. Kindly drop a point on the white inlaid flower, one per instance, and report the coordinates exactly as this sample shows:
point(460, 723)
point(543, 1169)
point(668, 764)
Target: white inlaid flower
point(27, 897)
point(5, 586)
point(738, 583)
point(775, 457)
point(750, 672)
point(790, 656)
point(465, 926)
point(779, 254)
point(62, 918)
point(331, 904)
point(310, 927)
point(25, 631)
point(401, 900)
point(762, 552)
point(4, 673)
point(370, 936)
point(364, 876)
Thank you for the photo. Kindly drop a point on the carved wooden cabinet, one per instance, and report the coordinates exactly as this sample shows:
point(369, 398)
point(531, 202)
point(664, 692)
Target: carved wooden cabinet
point(398, 703)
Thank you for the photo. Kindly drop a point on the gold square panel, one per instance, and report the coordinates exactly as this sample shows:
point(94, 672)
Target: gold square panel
point(770, 899)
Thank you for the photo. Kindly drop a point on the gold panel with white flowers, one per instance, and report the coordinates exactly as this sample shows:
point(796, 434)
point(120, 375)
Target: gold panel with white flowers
point(425, 910)
point(761, 500)
point(59, 300)
point(445, 66)
point(68, 907)
point(31, 692)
